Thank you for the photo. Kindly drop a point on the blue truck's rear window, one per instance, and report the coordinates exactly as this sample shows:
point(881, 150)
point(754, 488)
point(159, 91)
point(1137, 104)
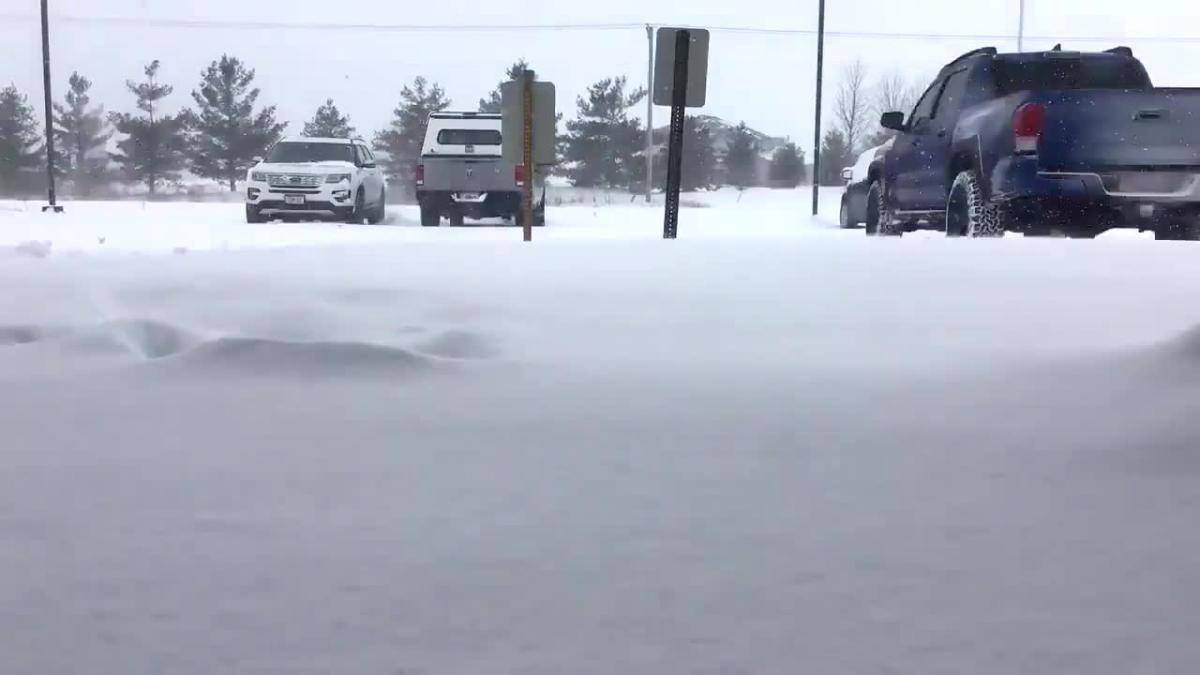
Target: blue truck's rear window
point(1069, 72)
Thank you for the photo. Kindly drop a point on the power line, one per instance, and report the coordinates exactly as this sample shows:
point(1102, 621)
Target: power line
point(219, 24)
point(281, 25)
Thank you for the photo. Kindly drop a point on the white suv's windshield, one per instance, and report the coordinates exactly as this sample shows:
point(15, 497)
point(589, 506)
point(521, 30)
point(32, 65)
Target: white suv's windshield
point(290, 152)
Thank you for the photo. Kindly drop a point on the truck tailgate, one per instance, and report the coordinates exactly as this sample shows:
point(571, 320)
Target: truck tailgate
point(1098, 130)
point(468, 174)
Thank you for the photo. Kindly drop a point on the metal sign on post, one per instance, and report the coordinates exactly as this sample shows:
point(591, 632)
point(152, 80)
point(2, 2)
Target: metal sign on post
point(512, 111)
point(527, 133)
point(680, 81)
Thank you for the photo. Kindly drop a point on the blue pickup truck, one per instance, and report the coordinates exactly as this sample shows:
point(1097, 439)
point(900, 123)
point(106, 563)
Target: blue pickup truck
point(1042, 143)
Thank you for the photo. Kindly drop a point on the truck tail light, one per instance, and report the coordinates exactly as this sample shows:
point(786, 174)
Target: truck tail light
point(420, 175)
point(519, 174)
point(1027, 128)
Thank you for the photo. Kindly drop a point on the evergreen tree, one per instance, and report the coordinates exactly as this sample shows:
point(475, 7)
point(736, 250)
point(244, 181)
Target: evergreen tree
point(400, 144)
point(699, 157)
point(835, 156)
point(741, 160)
point(81, 135)
point(491, 104)
point(787, 166)
point(329, 122)
point(226, 132)
point(20, 138)
point(152, 150)
point(603, 146)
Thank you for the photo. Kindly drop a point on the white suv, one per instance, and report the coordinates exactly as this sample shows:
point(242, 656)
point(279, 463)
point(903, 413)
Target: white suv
point(317, 177)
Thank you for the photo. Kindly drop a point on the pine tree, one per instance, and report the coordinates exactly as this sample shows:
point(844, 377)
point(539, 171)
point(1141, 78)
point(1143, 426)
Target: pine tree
point(81, 135)
point(152, 151)
point(226, 132)
point(20, 138)
point(491, 104)
point(787, 166)
point(329, 122)
point(741, 160)
point(835, 156)
point(603, 146)
point(400, 144)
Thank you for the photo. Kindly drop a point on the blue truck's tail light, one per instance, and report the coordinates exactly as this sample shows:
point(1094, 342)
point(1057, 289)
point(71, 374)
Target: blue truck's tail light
point(1028, 121)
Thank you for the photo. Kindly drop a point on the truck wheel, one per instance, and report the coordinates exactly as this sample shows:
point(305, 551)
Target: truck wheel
point(968, 212)
point(881, 221)
point(254, 215)
point(430, 217)
point(844, 216)
point(355, 215)
point(1178, 231)
point(456, 218)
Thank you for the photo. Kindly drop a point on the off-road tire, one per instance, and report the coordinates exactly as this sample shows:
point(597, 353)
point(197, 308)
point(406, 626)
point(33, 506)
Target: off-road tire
point(881, 221)
point(968, 211)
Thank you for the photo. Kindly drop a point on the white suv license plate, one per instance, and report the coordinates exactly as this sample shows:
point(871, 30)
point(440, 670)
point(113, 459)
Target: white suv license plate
point(293, 200)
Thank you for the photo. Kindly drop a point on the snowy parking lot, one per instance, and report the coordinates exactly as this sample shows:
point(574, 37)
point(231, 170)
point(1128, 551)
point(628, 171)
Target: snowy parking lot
point(771, 446)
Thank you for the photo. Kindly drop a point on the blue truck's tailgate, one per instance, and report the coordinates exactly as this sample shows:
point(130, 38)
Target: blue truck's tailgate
point(1098, 130)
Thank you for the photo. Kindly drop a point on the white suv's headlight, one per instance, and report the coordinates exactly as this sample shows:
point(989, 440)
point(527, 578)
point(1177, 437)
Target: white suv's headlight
point(258, 176)
point(337, 178)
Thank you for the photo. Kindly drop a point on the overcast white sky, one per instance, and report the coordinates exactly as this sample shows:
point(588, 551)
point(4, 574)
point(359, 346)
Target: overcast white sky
point(765, 79)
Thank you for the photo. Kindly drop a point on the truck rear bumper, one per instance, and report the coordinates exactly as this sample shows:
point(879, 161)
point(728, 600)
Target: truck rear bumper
point(1021, 178)
point(495, 204)
point(1128, 198)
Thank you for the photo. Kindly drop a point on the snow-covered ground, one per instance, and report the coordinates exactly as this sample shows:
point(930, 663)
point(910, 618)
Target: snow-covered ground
point(167, 226)
point(768, 447)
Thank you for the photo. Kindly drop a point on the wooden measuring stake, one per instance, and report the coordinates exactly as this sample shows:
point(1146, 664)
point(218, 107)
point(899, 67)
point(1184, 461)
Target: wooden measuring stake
point(530, 170)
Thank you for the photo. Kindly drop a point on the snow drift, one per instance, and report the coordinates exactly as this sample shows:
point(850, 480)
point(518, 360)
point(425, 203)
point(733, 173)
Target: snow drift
point(816, 453)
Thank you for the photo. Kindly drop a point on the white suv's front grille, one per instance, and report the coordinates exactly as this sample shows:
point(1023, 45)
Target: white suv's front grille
point(293, 180)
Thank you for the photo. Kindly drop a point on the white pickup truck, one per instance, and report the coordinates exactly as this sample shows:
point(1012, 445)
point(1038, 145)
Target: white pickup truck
point(462, 175)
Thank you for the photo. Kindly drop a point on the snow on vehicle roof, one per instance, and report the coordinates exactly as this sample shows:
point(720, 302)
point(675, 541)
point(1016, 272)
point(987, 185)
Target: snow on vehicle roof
point(317, 139)
point(457, 115)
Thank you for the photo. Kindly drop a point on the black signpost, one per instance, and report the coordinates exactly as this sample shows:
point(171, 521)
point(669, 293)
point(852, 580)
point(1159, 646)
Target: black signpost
point(683, 44)
point(53, 205)
point(680, 81)
point(816, 174)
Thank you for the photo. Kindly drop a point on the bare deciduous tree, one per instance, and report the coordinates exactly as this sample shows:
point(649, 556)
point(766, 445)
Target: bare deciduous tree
point(852, 107)
point(892, 93)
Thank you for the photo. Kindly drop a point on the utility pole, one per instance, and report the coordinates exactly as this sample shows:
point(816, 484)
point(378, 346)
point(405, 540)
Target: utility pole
point(1021, 27)
point(816, 173)
point(53, 203)
point(649, 112)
